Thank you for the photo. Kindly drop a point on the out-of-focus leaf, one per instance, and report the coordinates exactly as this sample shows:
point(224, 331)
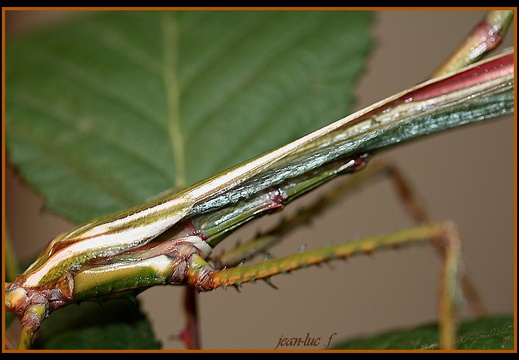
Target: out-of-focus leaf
point(116, 324)
point(487, 333)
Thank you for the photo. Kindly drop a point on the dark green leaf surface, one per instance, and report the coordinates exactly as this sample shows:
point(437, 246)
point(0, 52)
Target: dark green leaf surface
point(112, 108)
point(116, 324)
point(488, 333)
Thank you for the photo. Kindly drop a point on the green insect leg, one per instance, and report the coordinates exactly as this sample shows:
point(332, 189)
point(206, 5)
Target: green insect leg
point(450, 280)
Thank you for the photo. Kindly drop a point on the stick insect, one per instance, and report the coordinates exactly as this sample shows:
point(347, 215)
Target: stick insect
point(212, 200)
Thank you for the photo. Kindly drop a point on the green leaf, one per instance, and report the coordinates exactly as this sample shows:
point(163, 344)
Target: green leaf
point(488, 333)
point(117, 324)
point(111, 108)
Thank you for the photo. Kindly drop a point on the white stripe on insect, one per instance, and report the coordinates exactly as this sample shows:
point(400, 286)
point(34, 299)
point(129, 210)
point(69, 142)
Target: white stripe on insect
point(104, 242)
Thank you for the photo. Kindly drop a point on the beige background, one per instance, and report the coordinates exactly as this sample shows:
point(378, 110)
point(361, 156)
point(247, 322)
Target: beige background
point(466, 175)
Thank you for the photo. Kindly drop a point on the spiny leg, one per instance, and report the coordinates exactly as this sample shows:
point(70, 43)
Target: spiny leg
point(206, 278)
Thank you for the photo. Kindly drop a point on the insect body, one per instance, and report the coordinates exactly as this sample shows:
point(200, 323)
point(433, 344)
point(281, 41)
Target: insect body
point(169, 240)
